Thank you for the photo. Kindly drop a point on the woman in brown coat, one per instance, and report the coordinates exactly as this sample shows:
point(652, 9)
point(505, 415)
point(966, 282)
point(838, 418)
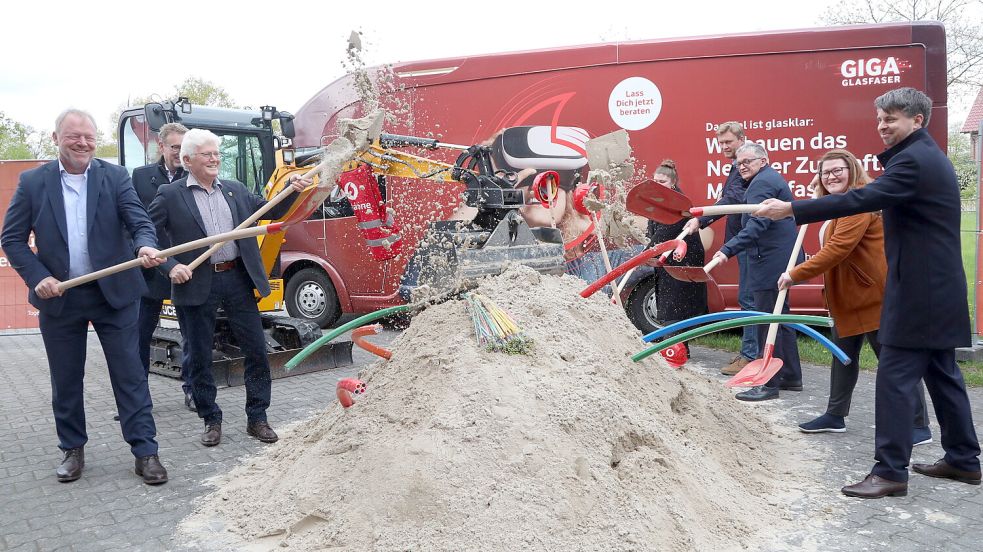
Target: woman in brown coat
point(854, 269)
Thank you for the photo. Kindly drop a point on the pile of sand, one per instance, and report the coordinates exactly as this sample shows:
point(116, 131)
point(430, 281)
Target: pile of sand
point(572, 447)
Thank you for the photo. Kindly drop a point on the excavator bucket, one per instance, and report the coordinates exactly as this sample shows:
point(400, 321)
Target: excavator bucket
point(453, 253)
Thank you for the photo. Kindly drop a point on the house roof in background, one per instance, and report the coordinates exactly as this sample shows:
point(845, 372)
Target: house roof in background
point(972, 123)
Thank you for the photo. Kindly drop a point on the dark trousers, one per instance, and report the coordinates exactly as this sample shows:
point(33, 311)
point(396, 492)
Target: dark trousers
point(898, 373)
point(65, 339)
point(786, 348)
point(232, 290)
point(149, 317)
point(843, 378)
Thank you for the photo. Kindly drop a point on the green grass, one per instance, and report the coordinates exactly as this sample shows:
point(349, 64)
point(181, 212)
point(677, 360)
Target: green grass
point(810, 351)
point(967, 229)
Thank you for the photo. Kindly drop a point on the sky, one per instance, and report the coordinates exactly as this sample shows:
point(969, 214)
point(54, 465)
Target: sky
point(97, 55)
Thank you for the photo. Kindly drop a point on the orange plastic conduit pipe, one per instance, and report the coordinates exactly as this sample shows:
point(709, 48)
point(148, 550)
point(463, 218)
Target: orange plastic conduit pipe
point(358, 337)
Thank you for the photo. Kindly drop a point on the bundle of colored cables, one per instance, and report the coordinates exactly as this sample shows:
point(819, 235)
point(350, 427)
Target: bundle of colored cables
point(494, 328)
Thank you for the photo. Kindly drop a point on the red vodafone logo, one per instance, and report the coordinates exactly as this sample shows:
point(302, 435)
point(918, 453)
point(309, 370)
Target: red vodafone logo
point(351, 190)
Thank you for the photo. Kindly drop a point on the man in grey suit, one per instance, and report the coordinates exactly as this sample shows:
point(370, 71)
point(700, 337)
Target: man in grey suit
point(203, 205)
point(85, 216)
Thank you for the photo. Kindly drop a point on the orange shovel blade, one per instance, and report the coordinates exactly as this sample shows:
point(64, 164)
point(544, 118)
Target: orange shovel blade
point(750, 375)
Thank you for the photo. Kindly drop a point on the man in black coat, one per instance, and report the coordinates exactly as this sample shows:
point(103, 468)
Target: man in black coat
point(203, 205)
point(925, 314)
point(768, 244)
point(146, 180)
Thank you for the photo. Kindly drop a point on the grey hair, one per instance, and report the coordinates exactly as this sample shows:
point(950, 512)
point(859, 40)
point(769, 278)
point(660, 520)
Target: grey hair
point(195, 138)
point(171, 128)
point(753, 148)
point(78, 113)
point(909, 101)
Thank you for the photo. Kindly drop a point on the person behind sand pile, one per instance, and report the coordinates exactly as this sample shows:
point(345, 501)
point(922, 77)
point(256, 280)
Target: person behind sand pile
point(769, 244)
point(192, 208)
point(146, 180)
point(676, 300)
point(925, 315)
point(854, 269)
point(85, 216)
point(730, 136)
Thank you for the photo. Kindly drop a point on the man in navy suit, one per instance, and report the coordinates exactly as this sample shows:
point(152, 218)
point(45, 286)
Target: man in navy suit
point(84, 214)
point(925, 314)
point(146, 180)
point(768, 245)
point(192, 208)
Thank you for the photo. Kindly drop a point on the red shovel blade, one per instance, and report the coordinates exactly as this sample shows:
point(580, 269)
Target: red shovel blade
point(757, 372)
point(656, 202)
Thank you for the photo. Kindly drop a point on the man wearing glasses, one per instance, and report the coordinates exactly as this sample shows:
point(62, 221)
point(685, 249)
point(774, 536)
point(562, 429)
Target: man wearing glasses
point(768, 245)
point(203, 205)
point(146, 180)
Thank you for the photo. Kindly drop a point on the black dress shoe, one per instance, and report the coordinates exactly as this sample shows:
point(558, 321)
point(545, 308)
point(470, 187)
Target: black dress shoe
point(150, 469)
point(759, 393)
point(71, 466)
point(262, 431)
point(875, 486)
point(212, 435)
point(791, 385)
point(943, 470)
point(189, 402)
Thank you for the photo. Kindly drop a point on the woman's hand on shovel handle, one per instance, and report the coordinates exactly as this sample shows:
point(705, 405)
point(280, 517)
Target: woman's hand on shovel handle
point(774, 209)
point(692, 226)
point(785, 281)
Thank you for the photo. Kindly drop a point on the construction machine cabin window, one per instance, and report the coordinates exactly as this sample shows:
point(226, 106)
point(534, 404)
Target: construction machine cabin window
point(138, 144)
point(242, 160)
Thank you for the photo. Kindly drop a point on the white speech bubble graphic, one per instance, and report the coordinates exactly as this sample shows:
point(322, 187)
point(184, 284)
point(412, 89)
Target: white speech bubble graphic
point(635, 103)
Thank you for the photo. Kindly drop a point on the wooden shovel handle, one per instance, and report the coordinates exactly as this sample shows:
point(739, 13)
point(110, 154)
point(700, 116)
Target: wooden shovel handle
point(714, 210)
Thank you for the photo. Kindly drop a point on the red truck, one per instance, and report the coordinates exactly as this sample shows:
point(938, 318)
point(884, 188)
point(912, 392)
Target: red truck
point(799, 93)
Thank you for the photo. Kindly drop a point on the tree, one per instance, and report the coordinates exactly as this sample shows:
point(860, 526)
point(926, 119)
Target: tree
point(20, 141)
point(963, 20)
point(961, 155)
point(199, 91)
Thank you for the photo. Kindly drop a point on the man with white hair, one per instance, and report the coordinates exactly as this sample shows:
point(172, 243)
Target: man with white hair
point(768, 245)
point(78, 208)
point(203, 205)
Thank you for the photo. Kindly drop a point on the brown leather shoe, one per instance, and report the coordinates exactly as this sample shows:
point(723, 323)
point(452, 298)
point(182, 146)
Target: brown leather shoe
point(262, 431)
point(150, 469)
point(943, 470)
point(212, 435)
point(875, 486)
point(735, 366)
point(71, 465)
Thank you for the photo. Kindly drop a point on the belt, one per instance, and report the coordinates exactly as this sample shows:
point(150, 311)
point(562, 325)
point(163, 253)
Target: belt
point(227, 265)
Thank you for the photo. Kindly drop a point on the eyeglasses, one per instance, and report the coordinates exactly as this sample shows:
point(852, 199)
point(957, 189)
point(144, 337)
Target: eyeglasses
point(209, 154)
point(175, 148)
point(747, 162)
point(837, 171)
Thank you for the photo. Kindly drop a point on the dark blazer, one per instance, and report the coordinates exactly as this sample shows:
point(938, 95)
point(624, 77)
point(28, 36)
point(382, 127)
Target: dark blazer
point(175, 212)
point(146, 180)
point(115, 217)
point(925, 303)
point(768, 242)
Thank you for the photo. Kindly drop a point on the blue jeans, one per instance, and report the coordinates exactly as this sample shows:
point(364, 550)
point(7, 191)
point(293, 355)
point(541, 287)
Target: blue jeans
point(590, 267)
point(149, 317)
point(233, 291)
point(745, 298)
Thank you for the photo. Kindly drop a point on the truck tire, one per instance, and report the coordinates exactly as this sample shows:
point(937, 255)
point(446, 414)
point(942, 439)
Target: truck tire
point(642, 306)
point(311, 296)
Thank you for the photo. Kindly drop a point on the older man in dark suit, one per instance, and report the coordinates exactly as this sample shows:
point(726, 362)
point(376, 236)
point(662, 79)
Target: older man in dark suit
point(925, 314)
point(768, 245)
point(78, 208)
point(202, 205)
point(146, 180)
